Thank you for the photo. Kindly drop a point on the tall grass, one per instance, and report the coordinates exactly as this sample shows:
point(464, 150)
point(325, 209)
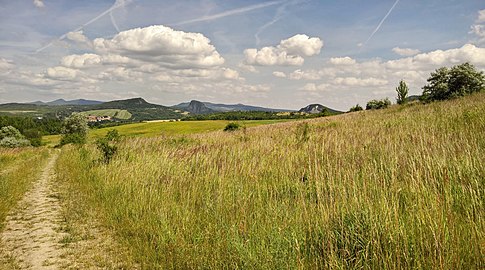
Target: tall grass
point(401, 188)
point(18, 168)
point(151, 129)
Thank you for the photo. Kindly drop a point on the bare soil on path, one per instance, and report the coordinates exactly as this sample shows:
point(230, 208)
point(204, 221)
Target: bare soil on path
point(31, 238)
point(43, 233)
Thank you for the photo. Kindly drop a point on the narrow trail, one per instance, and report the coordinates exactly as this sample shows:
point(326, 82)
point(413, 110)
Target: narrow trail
point(32, 235)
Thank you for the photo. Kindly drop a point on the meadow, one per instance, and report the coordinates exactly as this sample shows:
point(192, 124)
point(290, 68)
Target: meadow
point(152, 129)
point(401, 188)
point(18, 169)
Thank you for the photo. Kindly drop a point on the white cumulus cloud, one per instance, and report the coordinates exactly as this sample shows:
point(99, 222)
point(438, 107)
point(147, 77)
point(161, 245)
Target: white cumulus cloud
point(163, 45)
point(61, 73)
point(481, 16)
point(478, 29)
point(81, 61)
point(5, 64)
point(279, 74)
point(78, 37)
point(39, 3)
point(353, 81)
point(405, 51)
point(342, 61)
point(290, 52)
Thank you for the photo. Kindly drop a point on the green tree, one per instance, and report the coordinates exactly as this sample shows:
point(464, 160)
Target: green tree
point(74, 129)
point(446, 83)
point(402, 92)
point(378, 104)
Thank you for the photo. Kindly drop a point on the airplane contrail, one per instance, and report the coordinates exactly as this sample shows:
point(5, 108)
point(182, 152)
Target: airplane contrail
point(117, 4)
point(229, 13)
point(380, 24)
point(280, 12)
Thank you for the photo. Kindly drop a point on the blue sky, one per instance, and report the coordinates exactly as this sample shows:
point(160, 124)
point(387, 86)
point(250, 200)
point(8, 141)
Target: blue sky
point(281, 53)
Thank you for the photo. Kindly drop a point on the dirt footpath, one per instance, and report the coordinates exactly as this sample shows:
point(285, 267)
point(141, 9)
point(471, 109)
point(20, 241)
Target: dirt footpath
point(31, 238)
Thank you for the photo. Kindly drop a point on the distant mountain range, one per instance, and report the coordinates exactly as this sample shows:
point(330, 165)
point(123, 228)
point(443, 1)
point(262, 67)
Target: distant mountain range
point(59, 102)
point(200, 107)
point(139, 108)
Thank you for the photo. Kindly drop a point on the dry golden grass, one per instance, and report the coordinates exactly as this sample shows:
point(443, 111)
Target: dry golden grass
point(401, 188)
point(18, 168)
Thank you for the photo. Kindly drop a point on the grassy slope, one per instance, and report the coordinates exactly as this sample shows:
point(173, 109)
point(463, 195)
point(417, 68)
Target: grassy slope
point(18, 168)
point(153, 129)
point(398, 188)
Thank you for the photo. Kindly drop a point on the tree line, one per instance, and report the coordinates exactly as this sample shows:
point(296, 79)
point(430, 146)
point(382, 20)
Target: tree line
point(444, 83)
point(29, 128)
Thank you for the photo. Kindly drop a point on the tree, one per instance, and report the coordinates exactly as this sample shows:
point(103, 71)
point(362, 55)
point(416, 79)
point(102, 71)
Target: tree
point(74, 129)
point(378, 104)
point(356, 108)
point(402, 93)
point(446, 83)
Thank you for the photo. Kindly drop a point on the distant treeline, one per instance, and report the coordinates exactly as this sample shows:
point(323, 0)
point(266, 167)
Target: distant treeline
point(45, 126)
point(253, 115)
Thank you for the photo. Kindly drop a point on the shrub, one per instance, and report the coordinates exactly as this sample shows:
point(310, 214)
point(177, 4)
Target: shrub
point(107, 145)
point(232, 127)
point(378, 104)
point(12, 138)
point(10, 131)
point(12, 142)
point(356, 108)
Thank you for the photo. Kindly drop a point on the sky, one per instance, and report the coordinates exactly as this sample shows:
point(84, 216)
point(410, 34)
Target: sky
point(275, 53)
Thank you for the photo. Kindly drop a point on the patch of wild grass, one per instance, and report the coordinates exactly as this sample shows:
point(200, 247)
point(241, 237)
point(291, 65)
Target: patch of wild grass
point(18, 168)
point(397, 188)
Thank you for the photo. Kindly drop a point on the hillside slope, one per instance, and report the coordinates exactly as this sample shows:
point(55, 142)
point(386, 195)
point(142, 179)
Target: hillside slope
point(397, 188)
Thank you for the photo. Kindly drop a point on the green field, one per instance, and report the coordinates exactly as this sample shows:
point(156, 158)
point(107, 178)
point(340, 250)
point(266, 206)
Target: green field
point(401, 188)
point(164, 128)
point(114, 113)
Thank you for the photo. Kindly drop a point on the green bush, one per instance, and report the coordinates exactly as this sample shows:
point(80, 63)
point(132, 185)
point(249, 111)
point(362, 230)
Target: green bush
point(107, 145)
point(12, 142)
point(232, 127)
point(356, 108)
point(378, 104)
point(12, 138)
point(10, 131)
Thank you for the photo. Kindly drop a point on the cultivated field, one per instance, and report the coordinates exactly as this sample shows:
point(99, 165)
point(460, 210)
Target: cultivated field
point(115, 113)
point(401, 188)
